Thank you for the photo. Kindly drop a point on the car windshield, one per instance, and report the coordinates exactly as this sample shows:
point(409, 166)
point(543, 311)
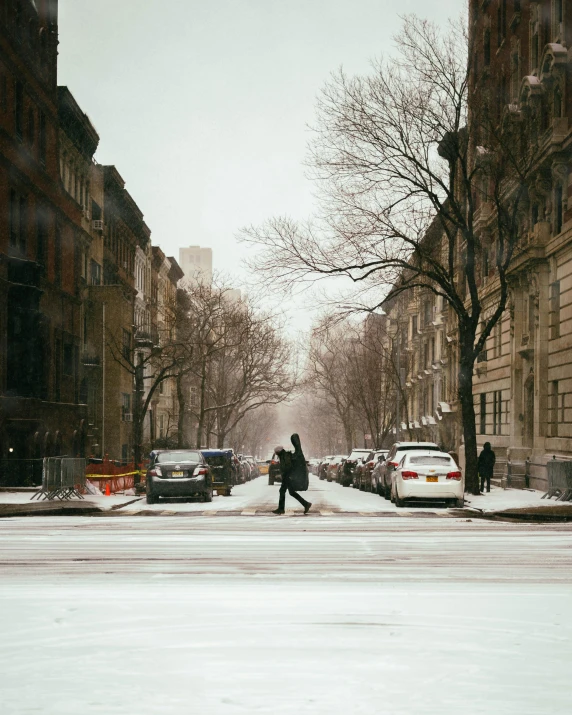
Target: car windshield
point(182, 456)
point(426, 459)
point(218, 461)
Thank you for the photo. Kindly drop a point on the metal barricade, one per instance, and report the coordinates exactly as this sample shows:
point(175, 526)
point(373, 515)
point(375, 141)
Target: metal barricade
point(559, 480)
point(62, 478)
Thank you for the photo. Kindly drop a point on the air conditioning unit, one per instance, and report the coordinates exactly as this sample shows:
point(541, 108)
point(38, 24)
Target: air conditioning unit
point(97, 225)
point(127, 417)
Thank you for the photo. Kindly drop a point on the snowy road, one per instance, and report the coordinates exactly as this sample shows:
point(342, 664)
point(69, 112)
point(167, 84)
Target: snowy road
point(258, 496)
point(273, 615)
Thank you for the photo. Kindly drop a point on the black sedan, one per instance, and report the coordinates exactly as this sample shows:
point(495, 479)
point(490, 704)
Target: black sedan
point(180, 473)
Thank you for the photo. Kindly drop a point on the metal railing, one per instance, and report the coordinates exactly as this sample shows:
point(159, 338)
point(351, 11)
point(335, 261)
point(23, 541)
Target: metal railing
point(559, 480)
point(62, 478)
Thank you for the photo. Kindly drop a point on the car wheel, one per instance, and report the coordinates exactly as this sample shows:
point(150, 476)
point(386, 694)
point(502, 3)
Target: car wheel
point(459, 503)
point(208, 496)
point(271, 482)
point(386, 492)
point(151, 499)
point(397, 501)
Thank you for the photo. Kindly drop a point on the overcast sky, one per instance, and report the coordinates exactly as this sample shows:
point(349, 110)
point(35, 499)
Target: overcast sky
point(202, 105)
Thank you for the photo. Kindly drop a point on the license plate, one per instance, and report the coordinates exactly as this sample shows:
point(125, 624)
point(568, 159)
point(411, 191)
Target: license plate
point(432, 479)
point(177, 474)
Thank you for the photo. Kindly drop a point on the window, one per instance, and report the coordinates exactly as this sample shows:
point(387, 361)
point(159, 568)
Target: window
point(497, 339)
point(94, 273)
point(68, 359)
point(557, 103)
point(194, 396)
point(483, 415)
point(497, 411)
point(414, 326)
point(19, 109)
point(126, 347)
point(31, 127)
point(42, 139)
point(482, 356)
point(515, 71)
point(41, 237)
point(558, 210)
point(58, 256)
point(125, 405)
point(554, 405)
point(554, 312)
point(3, 92)
point(18, 221)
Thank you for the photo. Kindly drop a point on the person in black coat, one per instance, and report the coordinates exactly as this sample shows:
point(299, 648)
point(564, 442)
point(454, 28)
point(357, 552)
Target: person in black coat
point(486, 465)
point(291, 463)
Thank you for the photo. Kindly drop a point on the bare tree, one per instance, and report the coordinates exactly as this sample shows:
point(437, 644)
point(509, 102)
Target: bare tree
point(255, 368)
point(406, 166)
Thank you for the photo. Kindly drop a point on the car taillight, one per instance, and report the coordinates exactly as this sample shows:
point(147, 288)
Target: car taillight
point(370, 464)
point(454, 475)
point(155, 472)
point(393, 464)
point(200, 471)
point(409, 475)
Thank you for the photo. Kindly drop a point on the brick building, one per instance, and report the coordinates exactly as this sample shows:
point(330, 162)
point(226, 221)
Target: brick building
point(41, 243)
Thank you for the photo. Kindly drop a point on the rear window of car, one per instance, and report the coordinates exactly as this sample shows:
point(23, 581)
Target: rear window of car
point(444, 461)
point(358, 454)
point(179, 457)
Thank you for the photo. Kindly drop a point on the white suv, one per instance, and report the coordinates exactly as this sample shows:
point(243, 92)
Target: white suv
point(394, 457)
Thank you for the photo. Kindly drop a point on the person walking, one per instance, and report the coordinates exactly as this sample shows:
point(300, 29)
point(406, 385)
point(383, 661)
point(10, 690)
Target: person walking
point(292, 466)
point(485, 464)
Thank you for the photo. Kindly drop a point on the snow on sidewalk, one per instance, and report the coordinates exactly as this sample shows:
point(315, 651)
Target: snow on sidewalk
point(501, 499)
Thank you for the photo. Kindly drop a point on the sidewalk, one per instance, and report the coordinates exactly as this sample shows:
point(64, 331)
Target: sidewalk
point(20, 504)
point(522, 504)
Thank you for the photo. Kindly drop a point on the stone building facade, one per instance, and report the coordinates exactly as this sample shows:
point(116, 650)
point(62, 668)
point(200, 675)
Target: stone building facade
point(523, 378)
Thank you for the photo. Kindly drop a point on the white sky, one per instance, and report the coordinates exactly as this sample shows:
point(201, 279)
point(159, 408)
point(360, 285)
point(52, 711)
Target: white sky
point(203, 105)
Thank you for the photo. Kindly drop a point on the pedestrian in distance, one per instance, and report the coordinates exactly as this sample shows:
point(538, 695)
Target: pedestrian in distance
point(485, 464)
point(294, 471)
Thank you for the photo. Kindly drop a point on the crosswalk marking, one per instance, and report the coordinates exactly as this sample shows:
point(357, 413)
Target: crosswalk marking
point(248, 512)
point(211, 512)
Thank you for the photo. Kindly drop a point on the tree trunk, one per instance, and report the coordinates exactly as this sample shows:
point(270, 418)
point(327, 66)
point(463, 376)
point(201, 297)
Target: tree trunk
point(138, 419)
point(468, 417)
point(181, 441)
point(202, 404)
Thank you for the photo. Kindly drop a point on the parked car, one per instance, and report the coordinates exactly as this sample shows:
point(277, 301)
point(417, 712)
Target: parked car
point(366, 470)
point(182, 473)
point(427, 475)
point(253, 466)
point(378, 458)
point(350, 466)
point(360, 474)
point(274, 474)
point(323, 468)
point(314, 465)
point(220, 464)
point(334, 466)
point(395, 455)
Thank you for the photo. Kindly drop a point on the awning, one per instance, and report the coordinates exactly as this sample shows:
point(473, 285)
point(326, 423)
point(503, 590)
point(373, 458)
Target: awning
point(416, 424)
point(403, 425)
point(431, 420)
point(445, 407)
point(424, 421)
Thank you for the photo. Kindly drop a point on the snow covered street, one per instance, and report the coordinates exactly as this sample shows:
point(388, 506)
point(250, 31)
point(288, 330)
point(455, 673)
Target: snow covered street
point(273, 615)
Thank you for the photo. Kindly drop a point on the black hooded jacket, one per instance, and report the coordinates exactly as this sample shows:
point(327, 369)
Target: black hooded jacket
point(486, 461)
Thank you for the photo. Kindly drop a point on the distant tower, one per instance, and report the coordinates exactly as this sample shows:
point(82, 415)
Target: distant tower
point(197, 263)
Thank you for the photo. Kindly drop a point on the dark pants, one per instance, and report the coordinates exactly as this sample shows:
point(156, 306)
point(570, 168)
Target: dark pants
point(488, 478)
point(285, 487)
